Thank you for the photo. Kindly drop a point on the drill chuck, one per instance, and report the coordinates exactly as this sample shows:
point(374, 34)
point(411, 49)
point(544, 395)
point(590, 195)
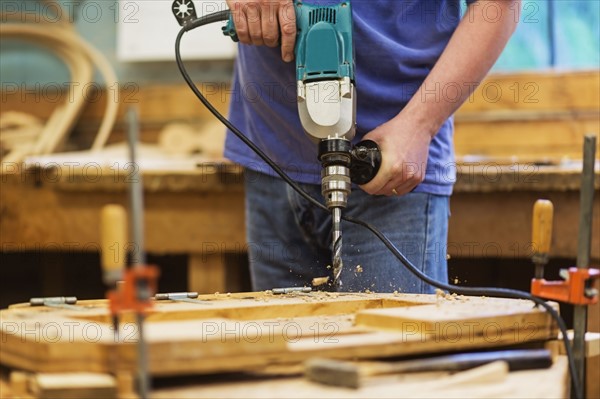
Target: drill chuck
point(335, 185)
point(335, 158)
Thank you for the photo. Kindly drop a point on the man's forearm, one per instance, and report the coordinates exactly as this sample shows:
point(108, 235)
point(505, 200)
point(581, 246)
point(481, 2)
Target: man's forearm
point(472, 51)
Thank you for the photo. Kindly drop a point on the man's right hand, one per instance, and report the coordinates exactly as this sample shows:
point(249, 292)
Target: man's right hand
point(266, 22)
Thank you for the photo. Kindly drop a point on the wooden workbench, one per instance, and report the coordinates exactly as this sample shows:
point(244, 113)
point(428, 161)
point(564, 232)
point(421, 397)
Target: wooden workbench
point(265, 339)
point(198, 210)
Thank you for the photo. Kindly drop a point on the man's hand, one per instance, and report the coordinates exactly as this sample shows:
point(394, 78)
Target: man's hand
point(404, 150)
point(266, 22)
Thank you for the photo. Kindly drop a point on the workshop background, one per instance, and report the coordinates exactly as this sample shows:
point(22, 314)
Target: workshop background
point(519, 138)
point(532, 111)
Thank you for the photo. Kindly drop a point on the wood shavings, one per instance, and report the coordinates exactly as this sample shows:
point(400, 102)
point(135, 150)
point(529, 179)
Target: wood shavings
point(317, 281)
point(439, 294)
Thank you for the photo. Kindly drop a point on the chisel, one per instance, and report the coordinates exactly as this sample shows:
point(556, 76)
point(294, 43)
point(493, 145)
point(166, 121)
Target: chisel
point(348, 374)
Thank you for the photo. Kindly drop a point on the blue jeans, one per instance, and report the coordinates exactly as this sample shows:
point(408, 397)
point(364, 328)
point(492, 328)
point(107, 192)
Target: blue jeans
point(289, 240)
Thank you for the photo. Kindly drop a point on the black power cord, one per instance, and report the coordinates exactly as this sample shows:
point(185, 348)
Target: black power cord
point(472, 291)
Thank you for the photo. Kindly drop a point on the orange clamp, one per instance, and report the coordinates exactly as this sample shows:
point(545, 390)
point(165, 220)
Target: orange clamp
point(126, 297)
point(576, 289)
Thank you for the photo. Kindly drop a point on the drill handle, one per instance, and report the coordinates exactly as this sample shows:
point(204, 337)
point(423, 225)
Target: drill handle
point(365, 163)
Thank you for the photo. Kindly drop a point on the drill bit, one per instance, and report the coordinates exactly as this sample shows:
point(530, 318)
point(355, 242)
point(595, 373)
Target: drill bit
point(336, 214)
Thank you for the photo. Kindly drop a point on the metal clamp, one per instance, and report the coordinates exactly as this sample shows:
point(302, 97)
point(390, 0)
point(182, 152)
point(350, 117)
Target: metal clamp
point(290, 290)
point(181, 297)
point(65, 302)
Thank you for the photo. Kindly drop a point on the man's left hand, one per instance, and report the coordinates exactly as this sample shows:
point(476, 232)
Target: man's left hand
point(404, 151)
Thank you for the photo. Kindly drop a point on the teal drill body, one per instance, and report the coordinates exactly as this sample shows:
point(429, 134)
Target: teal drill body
point(324, 42)
point(324, 47)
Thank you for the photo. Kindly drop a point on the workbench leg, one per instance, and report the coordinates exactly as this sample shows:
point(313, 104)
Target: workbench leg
point(206, 273)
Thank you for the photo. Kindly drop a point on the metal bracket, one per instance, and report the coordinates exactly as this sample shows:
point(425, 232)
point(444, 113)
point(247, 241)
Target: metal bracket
point(64, 302)
point(181, 297)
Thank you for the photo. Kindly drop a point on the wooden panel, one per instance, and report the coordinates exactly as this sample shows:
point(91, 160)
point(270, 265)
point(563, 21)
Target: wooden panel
point(550, 90)
point(550, 108)
point(201, 211)
point(207, 271)
point(529, 139)
point(249, 330)
point(484, 225)
point(530, 115)
point(36, 216)
point(156, 103)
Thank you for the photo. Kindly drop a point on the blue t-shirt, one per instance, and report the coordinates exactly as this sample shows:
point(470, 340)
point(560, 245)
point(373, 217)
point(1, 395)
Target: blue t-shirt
point(397, 43)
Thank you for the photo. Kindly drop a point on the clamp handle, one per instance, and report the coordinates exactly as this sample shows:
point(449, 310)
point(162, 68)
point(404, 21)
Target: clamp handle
point(113, 241)
point(541, 232)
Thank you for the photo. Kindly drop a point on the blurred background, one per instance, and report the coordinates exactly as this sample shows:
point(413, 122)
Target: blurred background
point(71, 69)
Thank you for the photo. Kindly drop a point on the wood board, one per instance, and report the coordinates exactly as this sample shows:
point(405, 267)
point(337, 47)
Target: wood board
point(246, 331)
point(550, 383)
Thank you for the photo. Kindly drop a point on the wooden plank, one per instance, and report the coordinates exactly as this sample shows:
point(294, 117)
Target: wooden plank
point(36, 216)
point(550, 138)
point(547, 383)
point(249, 330)
point(592, 344)
point(505, 232)
point(454, 319)
point(156, 103)
point(537, 91)
point(530, 114)
point(73, 385)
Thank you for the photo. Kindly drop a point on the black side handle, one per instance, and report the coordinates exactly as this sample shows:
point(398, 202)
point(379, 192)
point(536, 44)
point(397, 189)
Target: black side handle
point(366, 160)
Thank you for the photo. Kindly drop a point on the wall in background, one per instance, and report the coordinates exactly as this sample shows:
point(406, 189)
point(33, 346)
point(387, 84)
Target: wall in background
point(96, 21)
point(563, 34)
point(552, 33)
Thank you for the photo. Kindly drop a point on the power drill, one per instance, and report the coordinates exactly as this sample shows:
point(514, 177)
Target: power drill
point(326, 95)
